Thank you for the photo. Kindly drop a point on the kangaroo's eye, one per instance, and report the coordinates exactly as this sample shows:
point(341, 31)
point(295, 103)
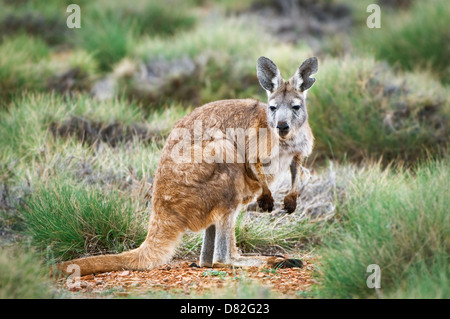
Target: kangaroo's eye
point(273, 108)
point(296, 107)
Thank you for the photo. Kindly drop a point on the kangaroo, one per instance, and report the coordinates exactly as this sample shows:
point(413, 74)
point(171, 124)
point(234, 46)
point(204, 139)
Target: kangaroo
point(202, 194)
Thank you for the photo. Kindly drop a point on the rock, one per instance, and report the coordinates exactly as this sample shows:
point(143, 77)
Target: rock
point(293, 20)
point(104, 89)
point(158, 79)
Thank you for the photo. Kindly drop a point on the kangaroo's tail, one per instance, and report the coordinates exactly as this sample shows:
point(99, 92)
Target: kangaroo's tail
point(157, 249)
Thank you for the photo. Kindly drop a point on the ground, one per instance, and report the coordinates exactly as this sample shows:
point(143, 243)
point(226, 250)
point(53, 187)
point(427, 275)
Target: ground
point(181, 278)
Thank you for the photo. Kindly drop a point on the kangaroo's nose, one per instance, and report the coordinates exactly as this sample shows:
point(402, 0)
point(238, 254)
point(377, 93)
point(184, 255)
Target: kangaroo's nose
point(282, 126)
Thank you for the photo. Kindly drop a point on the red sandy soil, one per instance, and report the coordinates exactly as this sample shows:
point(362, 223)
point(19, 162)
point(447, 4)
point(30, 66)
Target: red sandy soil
point(186, 281)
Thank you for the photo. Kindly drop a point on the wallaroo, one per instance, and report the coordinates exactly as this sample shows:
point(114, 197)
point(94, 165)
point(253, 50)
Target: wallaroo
point(193, 193)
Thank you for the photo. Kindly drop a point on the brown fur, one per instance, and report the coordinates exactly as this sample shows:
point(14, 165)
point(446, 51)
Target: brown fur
point(196, 196)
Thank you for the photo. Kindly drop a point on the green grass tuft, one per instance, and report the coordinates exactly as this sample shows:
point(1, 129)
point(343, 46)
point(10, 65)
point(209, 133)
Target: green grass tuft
point(23, 276)
point(360, 109)
point(74, 220)
point(398, 220)
point(111, 29)
point(22, 66)
point(416, 39)
point(225, 52)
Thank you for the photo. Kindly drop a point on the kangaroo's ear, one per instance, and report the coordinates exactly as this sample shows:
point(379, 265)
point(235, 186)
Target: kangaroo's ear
point(268, 75)
point(301, 79)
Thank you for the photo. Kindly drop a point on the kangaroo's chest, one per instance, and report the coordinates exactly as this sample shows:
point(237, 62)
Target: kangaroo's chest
point(282, 156)
point(278, 163)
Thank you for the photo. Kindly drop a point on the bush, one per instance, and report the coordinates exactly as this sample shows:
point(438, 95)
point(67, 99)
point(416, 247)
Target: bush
point(110, 30)
point(74, 221)
point(22, 276)
point(398, 220)
point(359, 108)
point(22, 66)
point(224, 54)
point(418, 39)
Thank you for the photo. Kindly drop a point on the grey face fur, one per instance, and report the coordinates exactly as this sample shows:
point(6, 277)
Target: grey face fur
point(286, 108)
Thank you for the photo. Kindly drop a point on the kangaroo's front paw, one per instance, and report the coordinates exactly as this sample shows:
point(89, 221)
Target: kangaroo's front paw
point(266, 202)
point(290, 203)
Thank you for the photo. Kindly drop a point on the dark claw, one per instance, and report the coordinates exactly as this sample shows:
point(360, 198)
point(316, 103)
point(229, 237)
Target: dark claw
point(266, 203)
point(290, 203)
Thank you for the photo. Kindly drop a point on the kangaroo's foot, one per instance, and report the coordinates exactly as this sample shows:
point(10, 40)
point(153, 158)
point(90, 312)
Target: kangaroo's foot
point(290, 202)
point(266, 202)
point(259, 261)
point(219, 249)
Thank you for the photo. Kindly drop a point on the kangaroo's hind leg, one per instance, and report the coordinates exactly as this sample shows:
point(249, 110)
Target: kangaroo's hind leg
point(226, 253)
point(207, 253)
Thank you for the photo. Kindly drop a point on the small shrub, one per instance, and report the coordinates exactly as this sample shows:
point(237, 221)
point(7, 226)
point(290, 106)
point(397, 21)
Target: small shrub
point(398, 220)
point(22, 66)
point(359, 108)
point(224, 54)
point(22, 276)
point(416, 39)
point(73, 221)
point(110, 30)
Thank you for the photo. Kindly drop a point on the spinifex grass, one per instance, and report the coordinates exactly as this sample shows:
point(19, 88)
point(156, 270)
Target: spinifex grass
point(22, 275)
point(226, 51)
point(28, 65)
point(74, 220)
point(22, 66)
point(24, 128)
point(399, 221)
point(111, 30)
point(359, 109)
point(416, 39)
point(265, 233)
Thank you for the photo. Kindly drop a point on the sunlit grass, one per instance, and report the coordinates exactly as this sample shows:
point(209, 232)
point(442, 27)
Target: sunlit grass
point(397, 219)
point(73, 220)
point(23, 63)
point(414, 39)
point(359, 108)
point(227, 53)
point(23, 275)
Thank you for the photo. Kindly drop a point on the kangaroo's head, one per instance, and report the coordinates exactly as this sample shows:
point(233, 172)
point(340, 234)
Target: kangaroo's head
point(286, 111)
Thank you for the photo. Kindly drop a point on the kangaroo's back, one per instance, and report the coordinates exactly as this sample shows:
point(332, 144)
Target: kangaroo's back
point(191, 180)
